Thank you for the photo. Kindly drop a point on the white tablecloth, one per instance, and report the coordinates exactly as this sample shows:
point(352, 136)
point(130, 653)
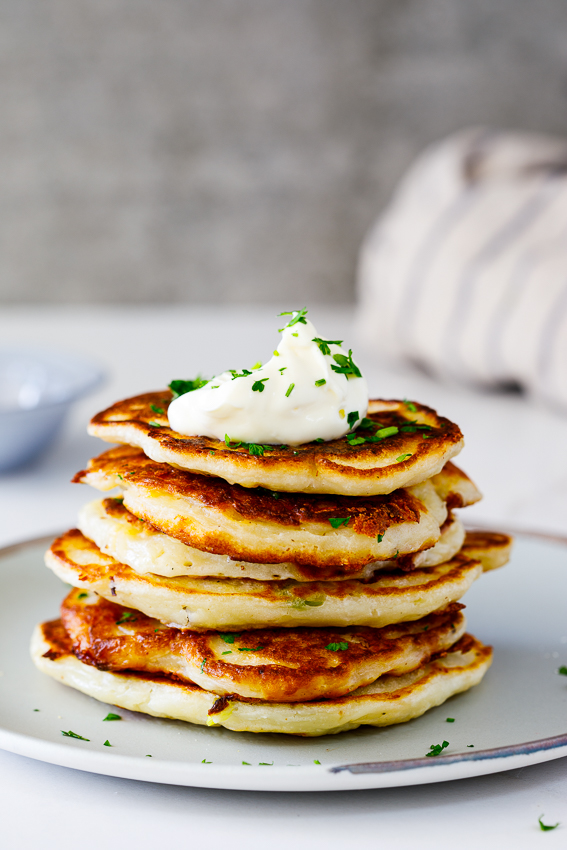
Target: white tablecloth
point(515, 452)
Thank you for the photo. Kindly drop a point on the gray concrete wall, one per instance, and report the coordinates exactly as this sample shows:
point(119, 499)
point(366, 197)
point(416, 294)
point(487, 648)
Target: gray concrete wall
point(234, 150)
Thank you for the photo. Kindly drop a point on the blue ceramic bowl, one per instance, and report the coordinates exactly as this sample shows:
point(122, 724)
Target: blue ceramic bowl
point(37, 388)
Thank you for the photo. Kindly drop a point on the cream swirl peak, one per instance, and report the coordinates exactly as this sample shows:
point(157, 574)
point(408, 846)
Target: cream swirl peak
point(310, 389)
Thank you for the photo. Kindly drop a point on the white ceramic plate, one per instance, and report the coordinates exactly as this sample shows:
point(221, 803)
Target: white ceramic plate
point(516, 717)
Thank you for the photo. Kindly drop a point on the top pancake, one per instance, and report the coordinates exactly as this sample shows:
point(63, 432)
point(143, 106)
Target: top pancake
point(418, 449)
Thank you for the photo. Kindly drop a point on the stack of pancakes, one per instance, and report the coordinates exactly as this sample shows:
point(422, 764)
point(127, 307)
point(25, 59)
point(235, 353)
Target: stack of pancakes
point(300, 589)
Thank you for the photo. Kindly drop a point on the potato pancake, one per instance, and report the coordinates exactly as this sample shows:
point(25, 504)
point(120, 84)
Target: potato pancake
point(388, 700)
point(265, 526)
point(278, 665)
point(407, 443)
point(236, 604)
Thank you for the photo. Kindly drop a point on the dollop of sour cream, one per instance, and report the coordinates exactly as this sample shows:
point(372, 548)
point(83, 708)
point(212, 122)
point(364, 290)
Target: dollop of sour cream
point(295, 398)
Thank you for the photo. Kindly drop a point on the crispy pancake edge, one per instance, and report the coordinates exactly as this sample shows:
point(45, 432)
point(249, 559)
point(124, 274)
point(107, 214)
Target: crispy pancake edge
point(332, 467)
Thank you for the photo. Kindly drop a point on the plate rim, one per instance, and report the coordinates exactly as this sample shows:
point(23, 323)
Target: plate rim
point(349, 776)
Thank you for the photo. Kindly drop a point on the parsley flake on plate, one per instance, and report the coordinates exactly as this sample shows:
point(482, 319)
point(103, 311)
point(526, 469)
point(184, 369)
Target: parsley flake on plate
point(258, 386)
point(266, 763)
point(562, 671)
point(316, 761)
point(70, 734)
point(336, 647)
point(107, 743)
point(112, 716)
point(336, 522)
point(247, 762)
point(450, 720)
point(437, 749)
point(204, 761)
point(546, 827)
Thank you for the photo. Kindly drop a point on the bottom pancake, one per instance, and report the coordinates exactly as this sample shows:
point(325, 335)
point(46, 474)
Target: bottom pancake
point(388, 700)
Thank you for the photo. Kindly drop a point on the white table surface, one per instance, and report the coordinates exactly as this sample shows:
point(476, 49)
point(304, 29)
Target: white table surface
point(516, 452)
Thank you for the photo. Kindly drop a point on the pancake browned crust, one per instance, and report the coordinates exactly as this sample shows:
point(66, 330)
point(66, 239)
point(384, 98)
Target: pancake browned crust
point(133, 541)
point(265, 526)
point(236, 604)
point(388, 700)
point(278, 665)
point(330, 467)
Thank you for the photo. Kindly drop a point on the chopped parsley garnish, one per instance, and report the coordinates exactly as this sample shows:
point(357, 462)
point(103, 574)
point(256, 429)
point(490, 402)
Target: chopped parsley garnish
point(276, 352)
point(320, 382)
point(243, 374)
point(450, 720)
point(335, 647)
point(325, 343)
point(157, 409)
point(70, 734)
point(352, 417)
point(125, 616)
point(437, 749)
point(155, 424)
point(470, 745)
point(316, 761)
point(206, 762)
point(403, 457)
point(319, 440)
point(228, 637)
point(111, 716)
point(107, 743)
point(250, 648)
point(227, 652)
point(246, 762)
point(82, 595)
point(562, 671)
point(336, 522)
point(298, 318)
point(36, 709)
point(257, 365)
point(355, 441)
point(258, 386)
point(149, 756)
point(289, 390)
point(380, 537)
point(382, 433)
point(266, 763)
point(181, 387)
point(545, 827)
point(410, 405)
point(347, 366)
point(253, 448)
point(367, 423)
point(204, 661)
point(282, 370)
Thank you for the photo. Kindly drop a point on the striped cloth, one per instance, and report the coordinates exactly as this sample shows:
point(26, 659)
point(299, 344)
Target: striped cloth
point(465, 273)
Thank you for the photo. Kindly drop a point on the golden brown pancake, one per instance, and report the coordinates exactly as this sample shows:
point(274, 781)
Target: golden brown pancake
point(265, 526)
point(138, 544)
point(278, 665)
point(388, 700)
point(491, 548)
point(236, 604)
point(406, 457)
